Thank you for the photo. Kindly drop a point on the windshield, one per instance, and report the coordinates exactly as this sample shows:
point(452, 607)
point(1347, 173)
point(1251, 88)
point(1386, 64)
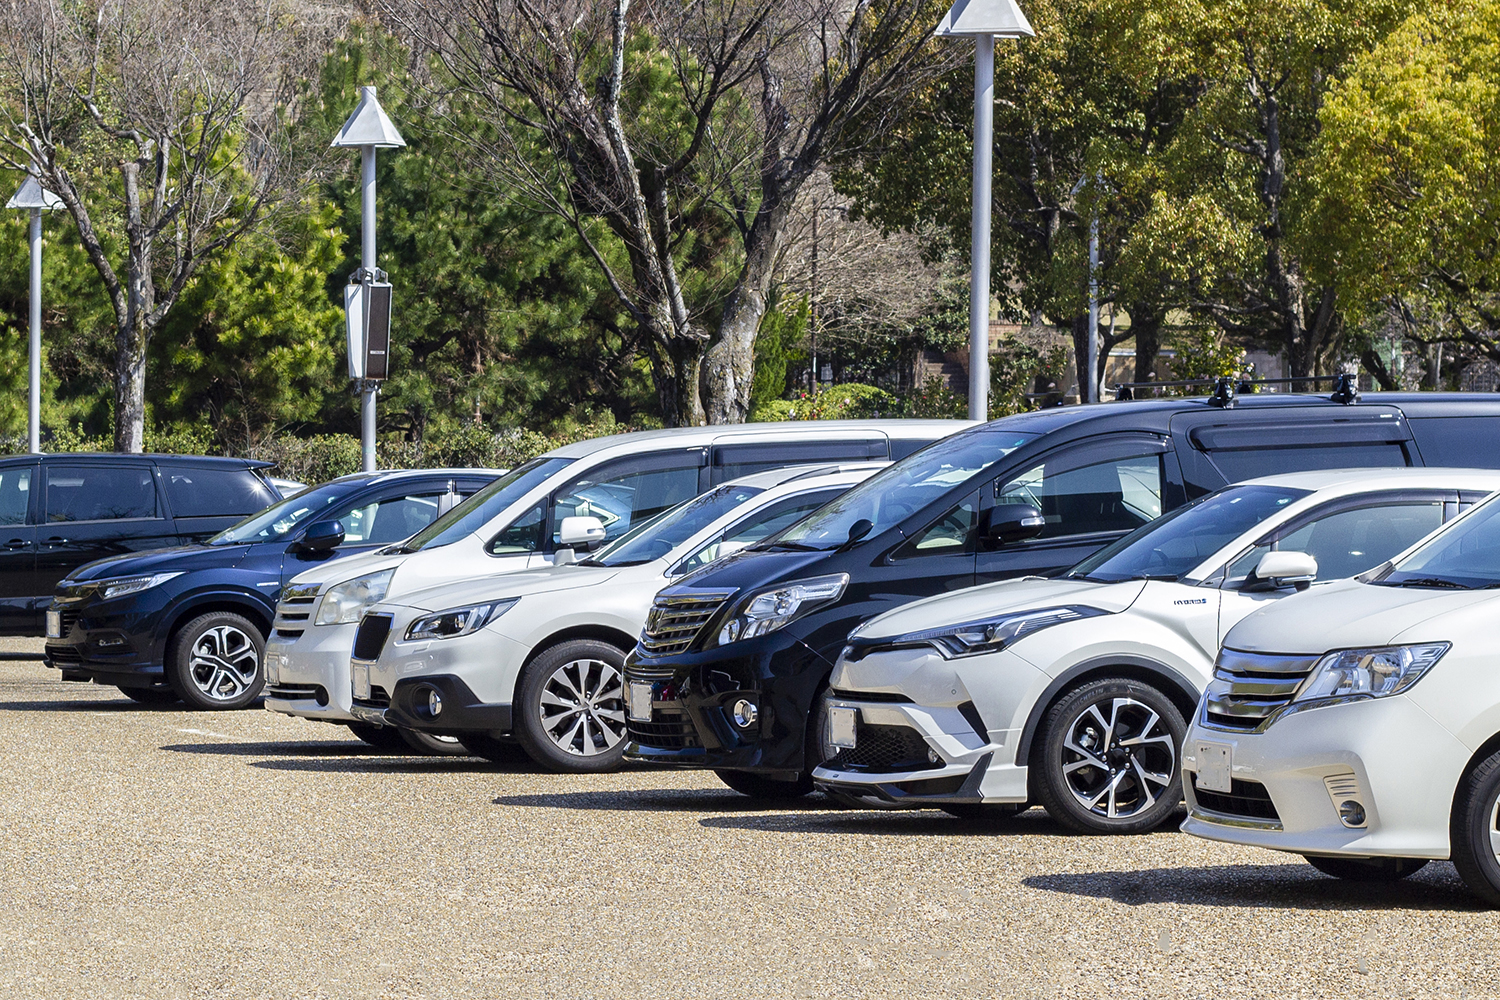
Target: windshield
point(1170, 546)
point(903, 489)
point(281, 519)
point(1467, 555)
point(469, 516)
point(655, 538)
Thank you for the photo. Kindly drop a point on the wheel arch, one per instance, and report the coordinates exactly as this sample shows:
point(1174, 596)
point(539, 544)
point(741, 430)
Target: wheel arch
point(1172, 682)
point(590, 630)
point(216, 602)
point(1486, 749)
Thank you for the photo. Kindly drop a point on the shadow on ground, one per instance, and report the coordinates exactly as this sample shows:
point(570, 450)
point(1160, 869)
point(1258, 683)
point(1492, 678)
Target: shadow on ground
point(662, 800)
point(1290, 886)
point(120, 705)
point(904, 823)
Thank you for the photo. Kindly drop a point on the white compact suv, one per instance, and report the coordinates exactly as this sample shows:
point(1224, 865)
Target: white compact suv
point(1074, 691)
point(513, 525)
point(1359, 725)
point(537, 658)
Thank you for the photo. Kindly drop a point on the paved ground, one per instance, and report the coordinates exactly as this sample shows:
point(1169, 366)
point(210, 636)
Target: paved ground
point(162, 854)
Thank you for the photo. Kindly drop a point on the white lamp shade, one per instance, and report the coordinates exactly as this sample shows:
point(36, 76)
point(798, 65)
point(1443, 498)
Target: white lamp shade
point(31, 194)
point(369, 125)
point(1002, 18)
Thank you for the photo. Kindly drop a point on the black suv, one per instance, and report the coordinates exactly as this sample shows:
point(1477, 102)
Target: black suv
point(191, 622)
point(734, 657)
point(60, 511)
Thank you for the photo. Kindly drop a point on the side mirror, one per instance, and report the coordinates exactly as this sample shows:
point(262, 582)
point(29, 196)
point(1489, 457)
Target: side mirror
point(1284, 569)
point(322, 536)
point(1012, 522)
point(580, 532)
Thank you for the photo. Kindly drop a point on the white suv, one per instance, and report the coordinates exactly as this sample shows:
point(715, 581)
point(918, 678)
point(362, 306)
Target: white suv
point(1075, 690)
point(1359, 725)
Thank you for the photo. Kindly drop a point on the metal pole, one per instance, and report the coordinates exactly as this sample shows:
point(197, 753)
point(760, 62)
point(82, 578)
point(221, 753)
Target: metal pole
point(979, 252)
point(34, 420)
point(1093, 362)
point(813, 325)
point(368, 387)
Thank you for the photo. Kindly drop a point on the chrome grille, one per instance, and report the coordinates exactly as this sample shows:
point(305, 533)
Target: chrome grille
point(674, 621)
point(1248, 689)
point(295, 609)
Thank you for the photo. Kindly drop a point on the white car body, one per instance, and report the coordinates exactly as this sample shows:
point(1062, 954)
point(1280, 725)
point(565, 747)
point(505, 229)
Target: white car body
point(978, 715)
point(301, 654)
point(474, 675)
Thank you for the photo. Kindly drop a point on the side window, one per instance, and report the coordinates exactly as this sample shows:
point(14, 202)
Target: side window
point(1351, 541)
point(1082, 492)
point(15, 493)
point(99, 492)
point(732, 461)
point(388, 521)
point(205, 492)
point(1250, 463)
point(524, 534)
point(952, 533)
point(626, 499)
point(757, 527)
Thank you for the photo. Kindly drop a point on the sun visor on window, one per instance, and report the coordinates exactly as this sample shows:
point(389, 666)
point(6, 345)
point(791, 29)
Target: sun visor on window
point(1258, 437)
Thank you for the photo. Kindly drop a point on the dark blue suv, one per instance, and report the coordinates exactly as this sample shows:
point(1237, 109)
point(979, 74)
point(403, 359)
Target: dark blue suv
point(190, 622)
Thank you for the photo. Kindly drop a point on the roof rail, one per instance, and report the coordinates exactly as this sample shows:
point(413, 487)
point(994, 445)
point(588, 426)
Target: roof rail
point(1224, 389)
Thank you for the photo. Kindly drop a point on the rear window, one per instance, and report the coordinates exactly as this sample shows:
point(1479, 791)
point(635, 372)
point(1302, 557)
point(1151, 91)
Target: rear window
point(206, 492)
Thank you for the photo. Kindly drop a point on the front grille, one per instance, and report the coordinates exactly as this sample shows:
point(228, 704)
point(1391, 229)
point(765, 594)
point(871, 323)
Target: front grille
point(1249, 688)
point(379, 698)
point(665, 731)
point(68, 620)
point(64, 654)
point(884, 748)
point(1248, 799)
point(370, 639)
point(289, 633)
point(296, 605)
point(675, 621)
point(294, 691)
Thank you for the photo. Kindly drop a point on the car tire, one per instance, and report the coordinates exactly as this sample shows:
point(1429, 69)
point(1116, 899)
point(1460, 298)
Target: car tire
point(984, 812)
point(1135, 782)
point(215, 662)
point(379, 737)
point(570, 707)
point(1366, 869)
point(493, 749)
point(431, 744)
point(151, 696)
point(1474, 830)
point(758, 786)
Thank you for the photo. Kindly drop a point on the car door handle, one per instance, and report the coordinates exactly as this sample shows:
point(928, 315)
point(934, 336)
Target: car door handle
point(57, 540)
point(18, 543)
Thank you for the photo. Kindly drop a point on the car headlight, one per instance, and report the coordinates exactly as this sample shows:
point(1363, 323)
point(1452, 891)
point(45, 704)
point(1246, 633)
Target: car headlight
point(133, 584)
point(349, 601)
point(1375, 673)
point(768, 610)
point(989, 635)
point(458, 621)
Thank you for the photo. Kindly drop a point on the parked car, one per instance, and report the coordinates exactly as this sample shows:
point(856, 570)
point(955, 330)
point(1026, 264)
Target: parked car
point(1075, 691)
point(770, 622)
point(1359, 725)
point(514, 524)
point(59, 511)
point(534, 658)
point(190, 622)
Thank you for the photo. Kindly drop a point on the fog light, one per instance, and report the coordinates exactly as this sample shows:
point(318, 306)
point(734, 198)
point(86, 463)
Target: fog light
point(434, 703)
point(108, 643)
point(1351, 813)
point(744, 713)
point(933, 758)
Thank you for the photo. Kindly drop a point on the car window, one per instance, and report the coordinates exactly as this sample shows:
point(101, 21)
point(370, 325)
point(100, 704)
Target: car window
point(1465, 555)
point(758, 526)
point(100, 492)
point(1349, 542)
point(209, 492)
point(1250, 463)
point(952, 533)
point(471, 515)
point(15, 493)
point(386, 521)
point(526, 533)
point(1080, 493)
point(625, 499)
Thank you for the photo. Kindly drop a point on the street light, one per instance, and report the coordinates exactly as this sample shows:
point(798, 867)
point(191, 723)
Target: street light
point(984, 20)
point(367, 299)
point(34, 198)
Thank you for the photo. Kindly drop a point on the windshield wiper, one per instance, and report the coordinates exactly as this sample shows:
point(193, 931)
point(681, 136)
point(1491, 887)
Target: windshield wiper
point(794, 547)
point(1432, 581)
point(1162, 578)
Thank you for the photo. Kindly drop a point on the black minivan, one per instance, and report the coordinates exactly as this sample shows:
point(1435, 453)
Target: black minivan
point(733, 658)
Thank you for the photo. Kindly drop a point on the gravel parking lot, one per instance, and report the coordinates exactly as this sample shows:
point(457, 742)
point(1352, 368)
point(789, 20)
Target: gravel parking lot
point(152, 853)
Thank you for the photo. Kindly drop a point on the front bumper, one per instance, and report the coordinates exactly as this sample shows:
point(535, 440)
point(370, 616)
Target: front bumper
point(1386, 754)
point(111, 642)
point(307, 674)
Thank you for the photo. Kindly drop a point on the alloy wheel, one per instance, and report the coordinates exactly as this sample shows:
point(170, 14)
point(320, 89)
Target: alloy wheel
point(1118, 757)
point(583, 707)
point(224, 662)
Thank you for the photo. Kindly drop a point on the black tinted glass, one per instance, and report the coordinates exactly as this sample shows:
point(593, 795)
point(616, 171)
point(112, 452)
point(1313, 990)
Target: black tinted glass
point(99, 492)
point(15, 493)
point(1239, 465)
point(201, 492)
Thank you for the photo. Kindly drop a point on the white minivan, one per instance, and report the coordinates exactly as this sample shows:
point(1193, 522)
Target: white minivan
point(512, 525)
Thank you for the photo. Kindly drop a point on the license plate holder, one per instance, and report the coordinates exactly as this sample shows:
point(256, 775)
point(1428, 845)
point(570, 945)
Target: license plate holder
point(54, 624)
point(1215, 767)
point(359, 681)
point(843, 726)
point(639, 701)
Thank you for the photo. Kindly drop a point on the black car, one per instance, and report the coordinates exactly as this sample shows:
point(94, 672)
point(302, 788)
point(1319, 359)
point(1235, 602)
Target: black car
point(190, 622)
point(59, 511)
point(733, 658)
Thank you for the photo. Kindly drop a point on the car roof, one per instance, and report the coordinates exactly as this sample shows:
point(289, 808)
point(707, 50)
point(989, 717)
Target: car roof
point(789, 430)
point(1360, 480)
point(116, 456)
point(398, 475)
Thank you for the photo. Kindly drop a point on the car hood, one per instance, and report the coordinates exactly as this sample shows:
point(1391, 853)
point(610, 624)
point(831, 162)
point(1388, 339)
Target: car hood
point(337, 571)
point(1346, 615)
point(504, 585)
point(991, 599)
point(180, 558)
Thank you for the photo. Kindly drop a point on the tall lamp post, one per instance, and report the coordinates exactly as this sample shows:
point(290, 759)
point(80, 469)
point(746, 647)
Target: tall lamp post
point(367, 298)
point(34, 198)
point(984, 21)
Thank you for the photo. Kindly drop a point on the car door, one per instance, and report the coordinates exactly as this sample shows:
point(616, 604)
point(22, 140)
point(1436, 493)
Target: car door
point(94, 510)
point(1346, 537)
point(18, 589)
point(374, 519)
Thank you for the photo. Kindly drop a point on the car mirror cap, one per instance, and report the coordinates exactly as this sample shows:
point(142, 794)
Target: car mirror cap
point(322, 536)
point(1006, 523)
point(1286, 569)
point(580, 532)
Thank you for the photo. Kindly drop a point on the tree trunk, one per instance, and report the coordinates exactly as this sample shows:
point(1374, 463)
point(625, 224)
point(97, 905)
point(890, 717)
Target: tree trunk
point(674, 371)
point(1080, 329)
point(130, 391)
point(1146, 324)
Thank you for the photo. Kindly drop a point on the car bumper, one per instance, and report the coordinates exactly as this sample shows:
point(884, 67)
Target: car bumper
point(472, 676)
point(99, 643)
point(1385, 754)
point(308, 675)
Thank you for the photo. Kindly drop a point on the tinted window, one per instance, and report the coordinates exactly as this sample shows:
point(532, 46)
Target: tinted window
point(1239, 465)
point(287, 517)
point(387, 521)
point(1466, 555)
point(15, 493)
point(471, 515)
point(949, 534)
point(1080, 493)
point(654, 539)
point(100, 492)
point(625, 499)
point(1472, 442)
point(733, 461)
point(527, 533)
point(214, 492)
point(758, 526)
point(1351, 541)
